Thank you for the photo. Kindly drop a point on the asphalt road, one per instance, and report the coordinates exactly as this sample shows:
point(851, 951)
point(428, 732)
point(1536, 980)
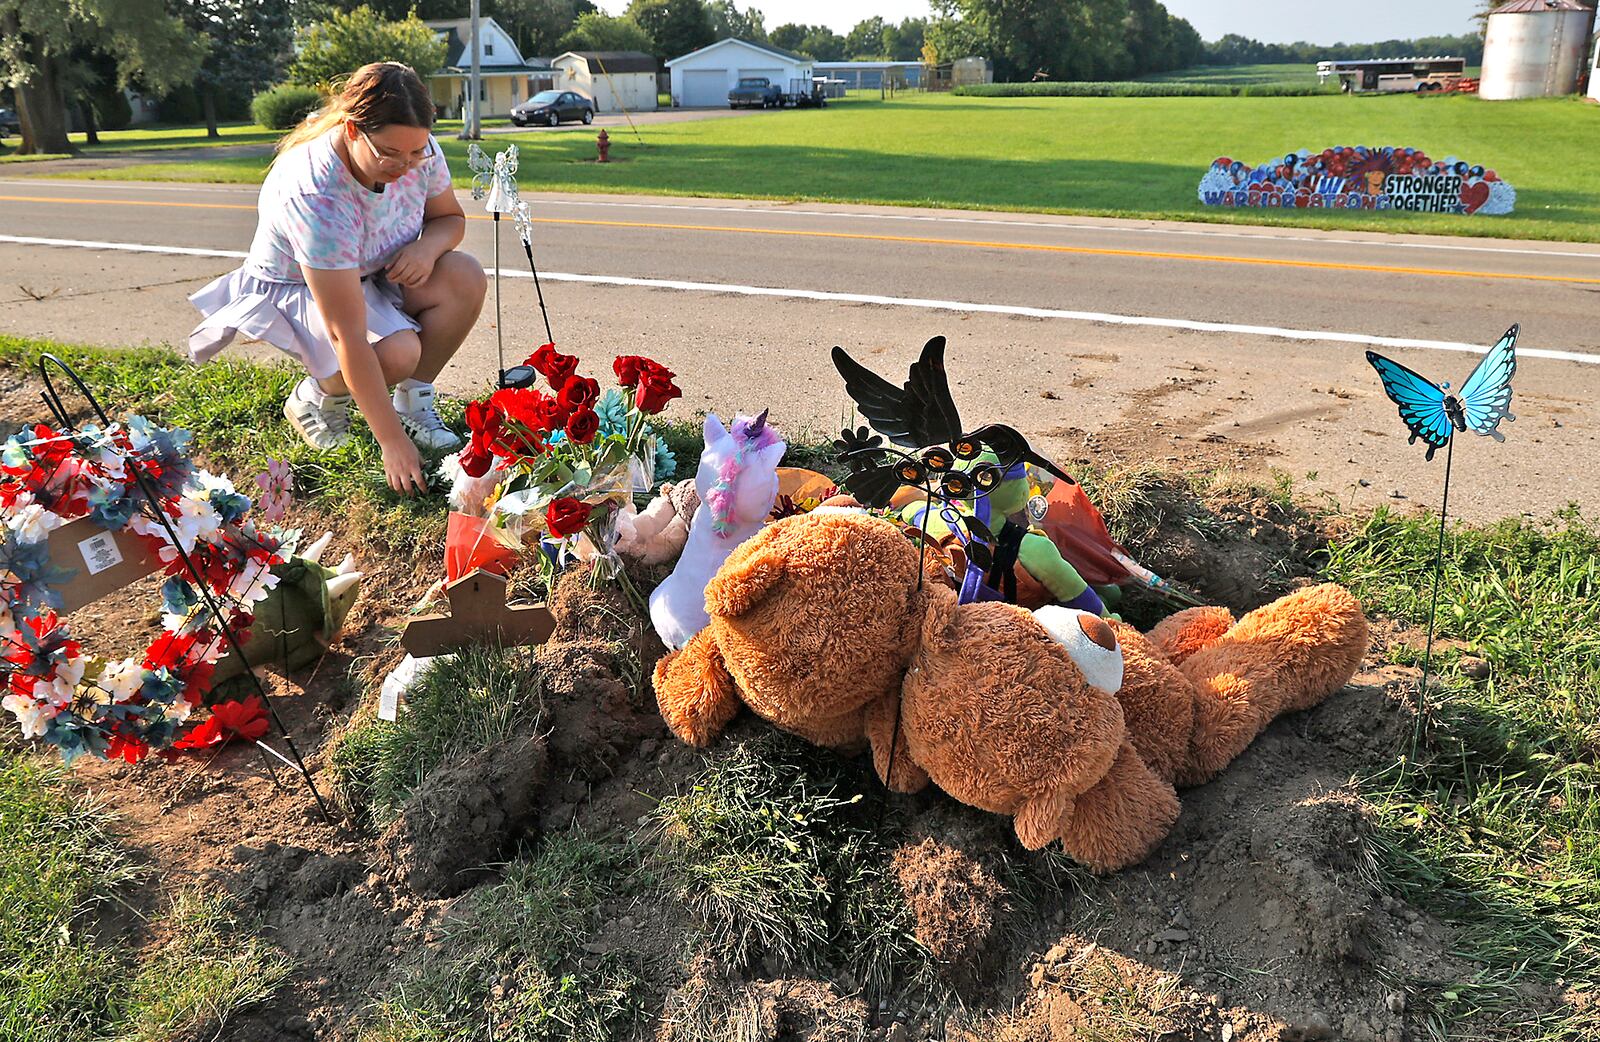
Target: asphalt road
point(1210, 344)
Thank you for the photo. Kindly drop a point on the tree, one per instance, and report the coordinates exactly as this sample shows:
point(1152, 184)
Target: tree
point(37, 43)
point(903, 42)
point(537, 25)
point(824, 45)
point(817, 42)
point(866, 39)
point(247, 43)
point(677, 26)
point(727, 20)
point(602, 32)
point(344, 43)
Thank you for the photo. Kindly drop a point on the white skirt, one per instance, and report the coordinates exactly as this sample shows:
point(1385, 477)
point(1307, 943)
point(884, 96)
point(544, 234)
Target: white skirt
point(284, 315)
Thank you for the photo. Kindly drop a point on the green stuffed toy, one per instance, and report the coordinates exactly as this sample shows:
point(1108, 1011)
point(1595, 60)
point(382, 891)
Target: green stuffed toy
point(1016, 542)
point(300, 617)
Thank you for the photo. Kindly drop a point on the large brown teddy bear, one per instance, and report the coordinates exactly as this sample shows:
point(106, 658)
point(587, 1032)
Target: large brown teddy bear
point(818, 624)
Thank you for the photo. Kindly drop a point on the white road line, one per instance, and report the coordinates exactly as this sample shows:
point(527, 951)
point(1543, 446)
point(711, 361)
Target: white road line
point(1328, 336)
point(1275, 235)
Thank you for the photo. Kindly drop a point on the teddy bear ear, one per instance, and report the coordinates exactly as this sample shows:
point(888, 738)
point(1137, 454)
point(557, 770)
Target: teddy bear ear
point(743, 582)
point(713, 430)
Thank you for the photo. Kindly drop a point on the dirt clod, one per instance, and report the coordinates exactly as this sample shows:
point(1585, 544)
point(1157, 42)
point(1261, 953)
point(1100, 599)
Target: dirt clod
point(465, 816)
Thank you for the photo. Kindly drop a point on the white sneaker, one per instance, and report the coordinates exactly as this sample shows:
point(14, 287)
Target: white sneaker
point(413, 401)
point(322, 419)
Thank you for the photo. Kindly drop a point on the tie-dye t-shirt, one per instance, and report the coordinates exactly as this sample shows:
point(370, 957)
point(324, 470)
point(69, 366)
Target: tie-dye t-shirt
point(313, 213)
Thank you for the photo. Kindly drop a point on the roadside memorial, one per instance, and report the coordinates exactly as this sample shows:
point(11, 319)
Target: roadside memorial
point(1359, 178)
point(1434, 415)
point(89, 510)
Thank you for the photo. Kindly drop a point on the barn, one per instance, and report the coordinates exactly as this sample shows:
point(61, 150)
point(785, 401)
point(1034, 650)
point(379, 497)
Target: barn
point(613, 80)
point(702, 79)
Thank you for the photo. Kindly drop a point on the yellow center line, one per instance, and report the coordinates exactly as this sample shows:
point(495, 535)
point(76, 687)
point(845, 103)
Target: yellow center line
point(1093, 251)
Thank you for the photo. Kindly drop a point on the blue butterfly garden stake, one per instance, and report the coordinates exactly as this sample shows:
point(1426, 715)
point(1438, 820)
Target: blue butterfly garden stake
point(1435, 416)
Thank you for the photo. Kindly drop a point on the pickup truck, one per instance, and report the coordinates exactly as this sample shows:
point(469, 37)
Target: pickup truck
point(754, 91)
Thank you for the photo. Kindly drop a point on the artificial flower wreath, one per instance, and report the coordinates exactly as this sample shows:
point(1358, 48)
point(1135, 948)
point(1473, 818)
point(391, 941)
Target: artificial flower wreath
point(119, 708)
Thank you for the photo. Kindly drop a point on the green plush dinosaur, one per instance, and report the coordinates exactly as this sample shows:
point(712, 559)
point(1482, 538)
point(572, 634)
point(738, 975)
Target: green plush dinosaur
point(300, 617)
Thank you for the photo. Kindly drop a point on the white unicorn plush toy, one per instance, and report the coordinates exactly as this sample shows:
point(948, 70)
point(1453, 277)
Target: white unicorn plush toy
point(738, 483)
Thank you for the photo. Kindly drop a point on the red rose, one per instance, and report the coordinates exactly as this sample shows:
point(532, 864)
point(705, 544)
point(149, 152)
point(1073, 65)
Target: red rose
point(553, 414)
point(578, 392)
point(561, 367)
point(583, 425)
point(476, 460)
point(483, 419)
point(540, 359)
point(629, 368)
point(566, 516)
point(655, 391)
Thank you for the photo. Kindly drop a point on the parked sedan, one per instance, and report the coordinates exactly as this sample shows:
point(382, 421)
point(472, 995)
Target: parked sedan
point(9, 124)
point(551, 107)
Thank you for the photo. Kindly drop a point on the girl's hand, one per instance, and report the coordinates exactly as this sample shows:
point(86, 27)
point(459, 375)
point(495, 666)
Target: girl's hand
point(402, 465)
point(413, 265)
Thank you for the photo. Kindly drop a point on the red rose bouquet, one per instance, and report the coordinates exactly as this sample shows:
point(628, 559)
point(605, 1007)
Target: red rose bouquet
point(567, 458)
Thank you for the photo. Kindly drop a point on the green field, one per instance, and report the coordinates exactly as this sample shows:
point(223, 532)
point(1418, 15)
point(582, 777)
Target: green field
point(1239, 75)
point(1126, 157)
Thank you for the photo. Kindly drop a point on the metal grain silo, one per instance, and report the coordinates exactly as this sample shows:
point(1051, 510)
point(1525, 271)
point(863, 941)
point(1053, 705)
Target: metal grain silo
point(1535, 48)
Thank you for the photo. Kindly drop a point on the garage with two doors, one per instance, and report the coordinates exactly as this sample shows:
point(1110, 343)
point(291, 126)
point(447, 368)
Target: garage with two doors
point(702, 79)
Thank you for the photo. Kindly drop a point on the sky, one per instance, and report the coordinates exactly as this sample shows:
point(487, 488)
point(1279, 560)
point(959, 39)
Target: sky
point(1349, 21)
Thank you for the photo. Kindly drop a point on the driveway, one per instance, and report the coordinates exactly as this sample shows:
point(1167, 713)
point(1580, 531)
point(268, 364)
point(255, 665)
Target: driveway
point(616, 119)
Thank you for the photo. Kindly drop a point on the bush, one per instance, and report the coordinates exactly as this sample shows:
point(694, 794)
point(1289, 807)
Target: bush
point(1131, 89)
point(112, 110)
point(284, 106)
point(181, 107)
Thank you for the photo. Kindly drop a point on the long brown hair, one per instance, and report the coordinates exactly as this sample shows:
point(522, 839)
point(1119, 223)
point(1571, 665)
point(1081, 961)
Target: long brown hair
point(375, 96)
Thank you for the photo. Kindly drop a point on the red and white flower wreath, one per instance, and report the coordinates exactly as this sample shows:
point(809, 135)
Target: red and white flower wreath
point(122, 708)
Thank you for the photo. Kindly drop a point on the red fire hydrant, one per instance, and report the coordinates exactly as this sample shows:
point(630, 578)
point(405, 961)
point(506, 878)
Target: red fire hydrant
point(603, 143)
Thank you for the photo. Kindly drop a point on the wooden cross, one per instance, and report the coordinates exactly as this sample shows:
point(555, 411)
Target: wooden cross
point(479, 614)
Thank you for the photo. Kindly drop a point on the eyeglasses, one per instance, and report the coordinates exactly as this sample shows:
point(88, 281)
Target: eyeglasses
point(390, 161)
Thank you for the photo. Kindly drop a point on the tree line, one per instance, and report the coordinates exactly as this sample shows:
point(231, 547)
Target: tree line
point(68, 61)
point(1240, 50)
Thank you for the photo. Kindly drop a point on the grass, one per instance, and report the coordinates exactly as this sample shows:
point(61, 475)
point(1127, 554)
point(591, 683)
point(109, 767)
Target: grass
point(776, 847)
point(59, 981)
point(1127, 157)
point(1494, 821)
point(482, 696)
point(512, 965)
point(211, 967)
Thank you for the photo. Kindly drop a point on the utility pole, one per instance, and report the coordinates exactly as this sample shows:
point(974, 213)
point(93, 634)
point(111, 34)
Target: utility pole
point(470, 126)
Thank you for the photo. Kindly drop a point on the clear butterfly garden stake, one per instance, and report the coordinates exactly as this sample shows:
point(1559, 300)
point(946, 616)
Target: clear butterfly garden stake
point(497, 179)
point(1435, 416)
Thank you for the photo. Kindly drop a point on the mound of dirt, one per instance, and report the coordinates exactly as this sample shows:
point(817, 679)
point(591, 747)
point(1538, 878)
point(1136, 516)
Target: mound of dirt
point(465, 816)
point(953, 898)
point(711, 1006)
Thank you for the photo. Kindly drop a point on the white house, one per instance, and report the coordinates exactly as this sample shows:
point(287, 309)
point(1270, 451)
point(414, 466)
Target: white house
point(613, 80)
point(505, 78)
point(702, 79)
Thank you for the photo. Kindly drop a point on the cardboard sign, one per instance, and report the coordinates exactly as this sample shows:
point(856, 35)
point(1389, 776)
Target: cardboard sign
point(101, 562)
point(1359, 178)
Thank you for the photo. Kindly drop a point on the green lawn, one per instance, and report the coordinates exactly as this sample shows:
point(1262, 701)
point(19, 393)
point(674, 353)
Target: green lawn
point(1131, 157)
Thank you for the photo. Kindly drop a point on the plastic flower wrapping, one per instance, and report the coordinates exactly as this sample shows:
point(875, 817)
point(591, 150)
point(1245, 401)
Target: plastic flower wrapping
point(561, 464)
point(54, 689)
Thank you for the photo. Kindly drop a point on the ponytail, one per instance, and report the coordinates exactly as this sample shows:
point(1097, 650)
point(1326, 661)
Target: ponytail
point(375, 96)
